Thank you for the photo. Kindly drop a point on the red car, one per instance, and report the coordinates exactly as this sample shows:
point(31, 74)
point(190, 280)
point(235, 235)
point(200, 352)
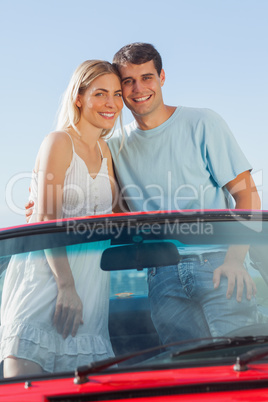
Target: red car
point(230, 367)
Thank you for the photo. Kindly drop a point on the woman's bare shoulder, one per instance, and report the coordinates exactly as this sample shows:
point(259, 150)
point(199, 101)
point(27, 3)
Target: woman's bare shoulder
point(57, 144)
point(57, 139)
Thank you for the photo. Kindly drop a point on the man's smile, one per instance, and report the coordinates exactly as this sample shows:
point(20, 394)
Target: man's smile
point(142, 99)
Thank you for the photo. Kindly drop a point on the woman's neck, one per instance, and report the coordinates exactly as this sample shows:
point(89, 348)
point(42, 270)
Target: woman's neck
point(87, 134)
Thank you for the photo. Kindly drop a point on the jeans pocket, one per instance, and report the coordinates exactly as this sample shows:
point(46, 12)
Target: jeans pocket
point(214, 261)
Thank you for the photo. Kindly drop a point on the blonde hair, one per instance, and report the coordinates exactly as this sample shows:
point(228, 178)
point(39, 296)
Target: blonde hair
point(69, 113)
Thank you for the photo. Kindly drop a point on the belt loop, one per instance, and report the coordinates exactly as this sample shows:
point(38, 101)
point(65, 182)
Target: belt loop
point(201, 259)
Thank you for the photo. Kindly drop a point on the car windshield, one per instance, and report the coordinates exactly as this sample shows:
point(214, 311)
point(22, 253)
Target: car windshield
point(82, 290)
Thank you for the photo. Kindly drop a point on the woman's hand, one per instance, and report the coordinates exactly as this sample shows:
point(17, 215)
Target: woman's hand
point(69, 309)
point(68, 312)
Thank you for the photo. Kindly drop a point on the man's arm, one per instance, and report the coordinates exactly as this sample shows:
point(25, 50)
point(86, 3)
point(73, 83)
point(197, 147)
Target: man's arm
point(29, 210)
point(244, 191)
point(245, 194)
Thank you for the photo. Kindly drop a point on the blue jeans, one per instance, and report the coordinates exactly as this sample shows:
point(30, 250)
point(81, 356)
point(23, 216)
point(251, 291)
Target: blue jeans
point(185, 305)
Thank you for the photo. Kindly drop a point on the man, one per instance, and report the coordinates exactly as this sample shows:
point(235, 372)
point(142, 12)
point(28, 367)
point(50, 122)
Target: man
point(177, 158)
point(184, 158)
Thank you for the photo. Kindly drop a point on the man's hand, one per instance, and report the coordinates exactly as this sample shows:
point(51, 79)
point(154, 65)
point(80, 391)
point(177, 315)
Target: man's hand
point(29, 210)
point(236, 275)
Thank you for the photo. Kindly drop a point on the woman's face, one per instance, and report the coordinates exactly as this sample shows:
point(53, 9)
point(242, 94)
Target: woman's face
point(102, 102)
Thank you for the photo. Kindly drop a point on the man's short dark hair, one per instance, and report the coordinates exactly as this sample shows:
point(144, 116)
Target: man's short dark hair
point(138, 53)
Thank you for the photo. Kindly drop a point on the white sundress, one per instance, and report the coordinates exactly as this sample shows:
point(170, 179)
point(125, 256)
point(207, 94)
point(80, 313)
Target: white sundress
point(30, 291)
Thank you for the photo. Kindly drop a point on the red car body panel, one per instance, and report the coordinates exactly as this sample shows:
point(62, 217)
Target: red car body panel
point(189, 384)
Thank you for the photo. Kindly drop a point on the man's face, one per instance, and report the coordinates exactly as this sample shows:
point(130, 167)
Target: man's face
point(141, 88)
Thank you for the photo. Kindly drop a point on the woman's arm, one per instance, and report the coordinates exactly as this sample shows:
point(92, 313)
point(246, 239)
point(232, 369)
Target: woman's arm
point(53, 160)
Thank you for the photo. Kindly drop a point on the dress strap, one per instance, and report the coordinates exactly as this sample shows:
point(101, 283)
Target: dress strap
point(70, 139)
point(100, 149)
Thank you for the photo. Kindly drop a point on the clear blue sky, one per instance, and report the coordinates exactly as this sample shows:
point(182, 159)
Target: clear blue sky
point(215, 54)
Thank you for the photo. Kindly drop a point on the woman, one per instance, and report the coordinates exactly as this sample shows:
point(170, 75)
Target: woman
point(55, 304)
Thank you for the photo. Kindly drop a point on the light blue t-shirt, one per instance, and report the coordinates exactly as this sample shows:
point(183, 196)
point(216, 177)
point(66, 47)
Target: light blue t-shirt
point(182, 164)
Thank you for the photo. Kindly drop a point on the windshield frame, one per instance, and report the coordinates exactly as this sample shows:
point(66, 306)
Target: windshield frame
point(18, 237)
